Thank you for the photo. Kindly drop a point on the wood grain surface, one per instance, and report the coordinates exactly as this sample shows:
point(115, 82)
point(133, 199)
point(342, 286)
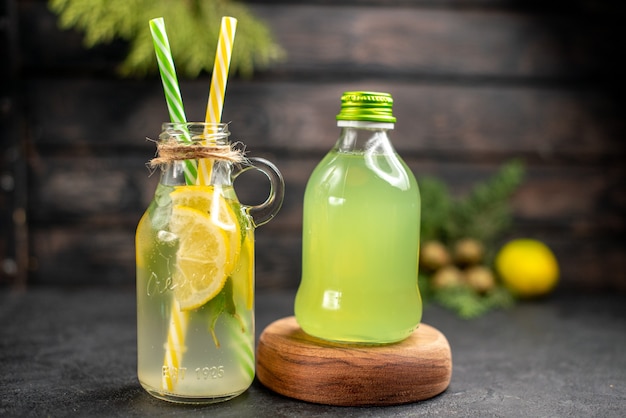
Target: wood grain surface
point(300, 366)
point(475, 82)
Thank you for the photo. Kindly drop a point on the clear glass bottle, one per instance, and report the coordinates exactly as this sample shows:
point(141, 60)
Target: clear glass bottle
point(361, 226)
point(195, 269)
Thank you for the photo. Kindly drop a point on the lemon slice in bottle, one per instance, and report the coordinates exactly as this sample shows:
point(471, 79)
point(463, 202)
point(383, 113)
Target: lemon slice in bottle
point(209, 200)
point(200, 271)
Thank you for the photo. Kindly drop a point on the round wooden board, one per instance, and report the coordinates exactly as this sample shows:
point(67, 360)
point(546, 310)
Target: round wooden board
point(297, 365)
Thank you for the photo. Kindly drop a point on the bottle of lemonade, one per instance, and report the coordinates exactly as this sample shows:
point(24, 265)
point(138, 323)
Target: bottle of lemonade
point(195, 269)
point(361, 233)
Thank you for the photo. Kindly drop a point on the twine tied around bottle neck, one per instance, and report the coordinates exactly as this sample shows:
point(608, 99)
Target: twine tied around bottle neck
point(172, 150)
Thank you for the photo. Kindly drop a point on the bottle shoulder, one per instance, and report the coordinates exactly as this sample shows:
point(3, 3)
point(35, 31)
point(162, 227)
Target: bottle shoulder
point(339, 170)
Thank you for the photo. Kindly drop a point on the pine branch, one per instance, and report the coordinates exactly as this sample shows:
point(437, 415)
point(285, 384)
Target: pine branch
point(485, 213)
point(436, 208)
point(468, 304)
point(193, 30)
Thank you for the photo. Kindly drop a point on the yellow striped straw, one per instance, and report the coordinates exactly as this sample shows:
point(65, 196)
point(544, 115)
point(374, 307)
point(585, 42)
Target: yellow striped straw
point(174, 347)
point(219, 79)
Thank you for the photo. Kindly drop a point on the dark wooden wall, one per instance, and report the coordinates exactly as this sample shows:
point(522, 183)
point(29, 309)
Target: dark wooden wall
point(475, 82)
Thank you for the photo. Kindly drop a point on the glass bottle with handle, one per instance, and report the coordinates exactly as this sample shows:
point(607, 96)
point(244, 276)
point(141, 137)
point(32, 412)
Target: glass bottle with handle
point(195, 268)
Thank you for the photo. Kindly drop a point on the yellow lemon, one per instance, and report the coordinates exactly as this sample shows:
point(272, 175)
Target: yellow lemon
point(209, 200)
point(527, 267)
point(200, 271)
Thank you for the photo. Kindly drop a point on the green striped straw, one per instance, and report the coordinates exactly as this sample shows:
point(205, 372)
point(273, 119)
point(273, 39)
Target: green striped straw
point(170, 87)
point(178, 319)
point(242, 344)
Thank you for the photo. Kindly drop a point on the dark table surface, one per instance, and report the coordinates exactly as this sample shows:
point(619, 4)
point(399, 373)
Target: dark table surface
point(71, 352)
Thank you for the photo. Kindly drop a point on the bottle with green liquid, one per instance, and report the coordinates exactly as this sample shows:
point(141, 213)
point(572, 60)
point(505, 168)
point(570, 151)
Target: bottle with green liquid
point(361, 226)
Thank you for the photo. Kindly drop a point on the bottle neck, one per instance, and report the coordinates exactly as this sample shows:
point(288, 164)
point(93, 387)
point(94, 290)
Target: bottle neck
point(363, 136)
point(196, 153)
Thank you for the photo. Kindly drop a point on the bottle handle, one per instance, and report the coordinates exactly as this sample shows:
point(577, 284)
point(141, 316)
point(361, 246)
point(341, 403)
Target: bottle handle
point(264, 212)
